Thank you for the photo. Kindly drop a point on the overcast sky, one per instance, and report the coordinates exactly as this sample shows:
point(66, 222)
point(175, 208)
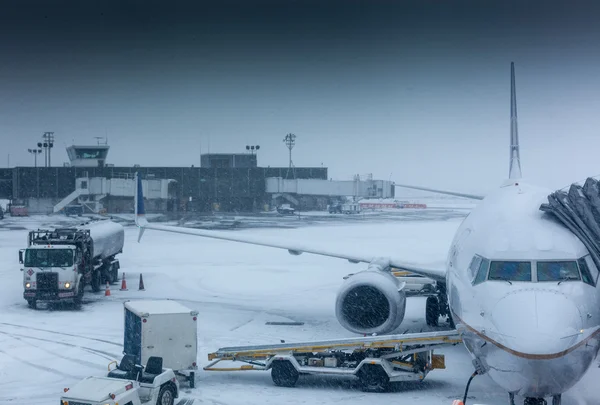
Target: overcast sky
point(417, 92)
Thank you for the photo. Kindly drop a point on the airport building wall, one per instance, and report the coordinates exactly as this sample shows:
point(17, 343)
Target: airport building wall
point(197, 189)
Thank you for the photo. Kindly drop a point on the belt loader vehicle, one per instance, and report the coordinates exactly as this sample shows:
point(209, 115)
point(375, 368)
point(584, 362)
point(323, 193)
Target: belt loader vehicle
point(375, 360)
point(59, 263)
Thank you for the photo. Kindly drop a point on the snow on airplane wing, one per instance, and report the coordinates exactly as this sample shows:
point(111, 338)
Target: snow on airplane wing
point(438, 274)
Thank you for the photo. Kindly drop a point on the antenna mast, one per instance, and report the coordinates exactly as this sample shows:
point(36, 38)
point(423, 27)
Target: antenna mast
point(98, 138)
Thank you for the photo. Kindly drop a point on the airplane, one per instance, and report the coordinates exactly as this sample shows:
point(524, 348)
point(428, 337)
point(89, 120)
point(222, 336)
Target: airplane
point(520, 288)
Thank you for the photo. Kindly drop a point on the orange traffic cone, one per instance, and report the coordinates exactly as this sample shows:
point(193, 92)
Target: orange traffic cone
point(141, 283)
point(107, 291)
point(123, 284)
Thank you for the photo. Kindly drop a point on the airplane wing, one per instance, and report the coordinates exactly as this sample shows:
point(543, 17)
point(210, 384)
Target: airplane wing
point(438, 274)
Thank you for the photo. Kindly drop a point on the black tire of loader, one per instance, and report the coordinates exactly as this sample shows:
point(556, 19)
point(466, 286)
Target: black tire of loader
point(373, 378)
point(32, 304)
point(284, 374)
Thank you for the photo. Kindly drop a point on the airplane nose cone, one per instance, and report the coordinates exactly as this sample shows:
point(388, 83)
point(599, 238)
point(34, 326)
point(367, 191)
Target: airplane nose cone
point(536, 321)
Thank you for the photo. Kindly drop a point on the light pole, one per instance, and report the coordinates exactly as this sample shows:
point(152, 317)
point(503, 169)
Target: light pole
point(290, 142)
point(48, 144)
point(253, 148)
point(35, 152)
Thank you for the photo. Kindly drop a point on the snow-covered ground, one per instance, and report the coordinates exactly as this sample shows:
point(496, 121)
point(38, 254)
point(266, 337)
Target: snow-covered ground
point(237, 289)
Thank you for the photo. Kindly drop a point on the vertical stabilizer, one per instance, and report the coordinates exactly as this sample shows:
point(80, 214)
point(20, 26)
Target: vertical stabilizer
point(140, 211)
point(514, 171)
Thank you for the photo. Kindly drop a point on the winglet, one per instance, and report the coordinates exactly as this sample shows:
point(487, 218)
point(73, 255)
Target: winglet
point(514, 170)
point(140, 211)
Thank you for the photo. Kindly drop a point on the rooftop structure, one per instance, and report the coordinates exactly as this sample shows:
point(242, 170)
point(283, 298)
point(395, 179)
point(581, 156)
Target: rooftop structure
point(87, 156)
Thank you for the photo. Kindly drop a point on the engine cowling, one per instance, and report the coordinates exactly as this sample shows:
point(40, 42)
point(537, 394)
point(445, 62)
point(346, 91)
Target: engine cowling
point(371, 301)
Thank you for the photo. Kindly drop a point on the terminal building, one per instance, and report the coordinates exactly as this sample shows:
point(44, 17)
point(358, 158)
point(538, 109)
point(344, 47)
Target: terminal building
point(224, 182)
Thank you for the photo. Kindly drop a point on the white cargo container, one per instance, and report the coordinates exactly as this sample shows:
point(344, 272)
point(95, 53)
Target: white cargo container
point(162, 328)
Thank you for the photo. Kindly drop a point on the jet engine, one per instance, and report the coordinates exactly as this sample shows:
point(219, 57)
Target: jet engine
point(371, 301)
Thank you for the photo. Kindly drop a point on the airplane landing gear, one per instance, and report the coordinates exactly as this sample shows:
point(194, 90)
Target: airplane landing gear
point(535, 401)
point(436, 306)
point(432, 311)
point(556, 400)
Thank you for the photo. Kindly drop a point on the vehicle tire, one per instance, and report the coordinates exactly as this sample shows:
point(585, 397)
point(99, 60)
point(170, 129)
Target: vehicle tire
point(114, 274)
point(96, 280)
point(284, 374)
point(373, 378)
point(432, 311)
point(192, 379)
point(166, 395)
point(79, 296)
point(32, 304)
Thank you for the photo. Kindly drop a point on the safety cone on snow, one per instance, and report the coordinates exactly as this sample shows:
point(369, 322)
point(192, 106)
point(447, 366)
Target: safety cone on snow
point(123, 283)
point(141, 283)
point(107, 291)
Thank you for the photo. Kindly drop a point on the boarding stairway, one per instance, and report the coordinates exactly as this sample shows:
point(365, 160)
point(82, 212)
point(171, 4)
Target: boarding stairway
point(579, 210)
point(68, 199)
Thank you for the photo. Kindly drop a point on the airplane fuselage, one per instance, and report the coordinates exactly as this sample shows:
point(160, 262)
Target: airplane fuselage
point(514, 294)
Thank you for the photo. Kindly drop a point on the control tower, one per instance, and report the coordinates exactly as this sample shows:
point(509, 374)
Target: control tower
point(88, 156)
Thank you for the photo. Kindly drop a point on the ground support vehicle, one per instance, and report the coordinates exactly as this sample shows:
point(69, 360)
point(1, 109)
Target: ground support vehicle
point(286, 209)
point(165, 329)
point(375, 360)
point(59, 263)
point(128, 384)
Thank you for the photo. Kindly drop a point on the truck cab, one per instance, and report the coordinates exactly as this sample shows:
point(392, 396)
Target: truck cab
point(50, 273)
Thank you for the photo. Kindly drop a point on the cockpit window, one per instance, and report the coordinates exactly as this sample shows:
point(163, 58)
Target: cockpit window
point(586, 274)
point(482, 272)
point(474, 267)
point(479, 269)
point(558, 271)
point(510, 271)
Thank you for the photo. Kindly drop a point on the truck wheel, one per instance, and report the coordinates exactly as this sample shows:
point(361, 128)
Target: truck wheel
point(32, 304)
point(192, 379)
point(166, 395)
point(79, 296)
point(96, 280)
point(114, 274)
point(284, 374)
point(373, 378)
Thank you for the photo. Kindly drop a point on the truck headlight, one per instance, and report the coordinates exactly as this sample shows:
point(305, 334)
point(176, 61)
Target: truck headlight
point(67, 285)
point(27, 285)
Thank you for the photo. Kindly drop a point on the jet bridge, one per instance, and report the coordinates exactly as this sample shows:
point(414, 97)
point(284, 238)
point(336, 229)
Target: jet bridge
point(367, 188)
point(375, 360)
point(579, 210)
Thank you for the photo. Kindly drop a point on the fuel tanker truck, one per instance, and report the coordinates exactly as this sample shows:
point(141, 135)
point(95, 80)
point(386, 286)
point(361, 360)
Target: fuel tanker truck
point(59, 263)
